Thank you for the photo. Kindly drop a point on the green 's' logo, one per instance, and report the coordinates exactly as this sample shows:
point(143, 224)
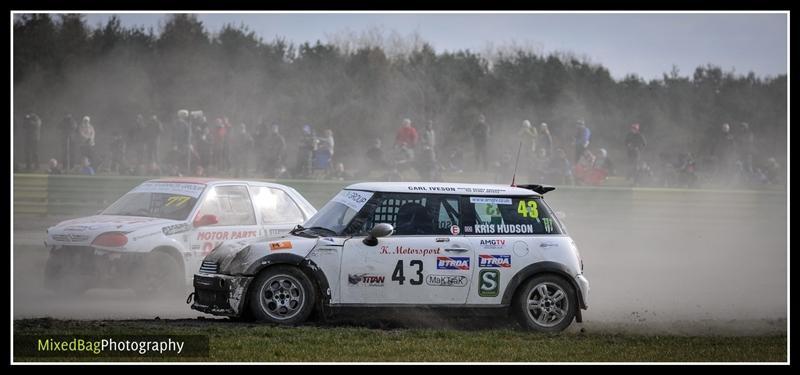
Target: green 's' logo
point(490, 283)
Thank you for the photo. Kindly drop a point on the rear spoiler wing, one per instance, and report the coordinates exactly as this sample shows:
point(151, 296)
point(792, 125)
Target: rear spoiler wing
point(541, 189)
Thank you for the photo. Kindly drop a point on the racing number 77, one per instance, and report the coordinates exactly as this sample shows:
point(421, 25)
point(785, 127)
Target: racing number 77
point(526, 208)
point(397, 275)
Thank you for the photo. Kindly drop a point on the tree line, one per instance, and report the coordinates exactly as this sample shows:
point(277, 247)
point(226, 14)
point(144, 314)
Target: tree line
point(63, 65)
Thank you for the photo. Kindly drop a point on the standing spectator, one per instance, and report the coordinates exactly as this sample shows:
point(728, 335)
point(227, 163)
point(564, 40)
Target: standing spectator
point(118, 148)
point(86, 138)
point(406, 134)
point(136, 139)
point(32, 130)
point(323, 156)
point(225, 156)
point(427, 164)
point(375, 159)
point(152, 137)
point(634, 144)
point(218, 140)
point(545, 141)
point(582, 138)
point(205, 148)
point(480, 137)
point(429, 137)
point(305, 152)
point(86, 167)
point(53, 167)
point(182, 138)
point(746, 144)
point(561, 168)
point(723, 151)
point(68, 129)
point(274, 145)
point(242, 144)
point(529, 137)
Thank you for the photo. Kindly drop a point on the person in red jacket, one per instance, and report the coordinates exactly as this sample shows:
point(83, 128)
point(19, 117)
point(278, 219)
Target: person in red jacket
point(406, 134)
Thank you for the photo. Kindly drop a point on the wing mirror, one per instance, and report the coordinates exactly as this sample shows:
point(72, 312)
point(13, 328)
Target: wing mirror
point(379, 230)
point(205, 220)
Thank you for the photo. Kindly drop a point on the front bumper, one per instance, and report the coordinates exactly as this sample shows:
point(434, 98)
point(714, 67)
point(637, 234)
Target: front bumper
point(220, 294)
point(583, 286)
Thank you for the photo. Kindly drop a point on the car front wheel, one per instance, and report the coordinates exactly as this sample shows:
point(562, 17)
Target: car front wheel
point(282, 295)
point(546, 303)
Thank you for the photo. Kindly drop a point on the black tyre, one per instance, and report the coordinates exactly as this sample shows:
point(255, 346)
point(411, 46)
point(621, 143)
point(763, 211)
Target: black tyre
point(546, 303)
point(160, 275)
point(282, 295)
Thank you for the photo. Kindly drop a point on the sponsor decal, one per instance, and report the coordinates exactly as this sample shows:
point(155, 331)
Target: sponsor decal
point(324, 251)
point(365, 279)
point(452, 263)
point(489, 200)
point(455, 230)
point(273, 232)
point(353, 198)
point(504, 229)
point(442, 239)
point(80, 228)
point(489, 283)
point(494, 261)
point(446, 280)
point(548, 224)
point(431, 188)
point(225, 235)
point(176, 228)
point(481, 190)
point(492, 243)
point(145, 236)
point(282, 245)
point(401, 250)
point(192, 190)
point(468, 229)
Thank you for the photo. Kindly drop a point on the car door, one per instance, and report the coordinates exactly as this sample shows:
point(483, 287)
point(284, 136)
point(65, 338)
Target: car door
point(506, 233)
point(232, 209)
point(426, 261)
point(277, 212)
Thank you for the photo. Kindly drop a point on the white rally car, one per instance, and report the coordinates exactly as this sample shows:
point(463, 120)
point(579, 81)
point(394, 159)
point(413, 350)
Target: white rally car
point(410, 244)
point(154, 237)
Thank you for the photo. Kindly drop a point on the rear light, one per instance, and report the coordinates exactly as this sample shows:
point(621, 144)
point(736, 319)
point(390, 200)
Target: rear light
point(111, 239)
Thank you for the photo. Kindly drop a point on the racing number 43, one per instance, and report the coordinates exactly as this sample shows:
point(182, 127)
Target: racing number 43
point(397, 275)
point(528, 208)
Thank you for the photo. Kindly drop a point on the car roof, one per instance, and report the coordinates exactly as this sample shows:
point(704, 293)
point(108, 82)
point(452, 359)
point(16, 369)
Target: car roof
point(442, 188)
point(216, 181)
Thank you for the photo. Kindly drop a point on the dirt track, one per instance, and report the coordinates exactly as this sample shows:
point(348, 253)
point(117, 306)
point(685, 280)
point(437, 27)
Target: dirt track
point(671, 263)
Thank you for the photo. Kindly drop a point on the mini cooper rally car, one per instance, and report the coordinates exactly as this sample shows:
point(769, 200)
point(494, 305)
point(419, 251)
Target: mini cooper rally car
point(154, 237)
point(408, 245)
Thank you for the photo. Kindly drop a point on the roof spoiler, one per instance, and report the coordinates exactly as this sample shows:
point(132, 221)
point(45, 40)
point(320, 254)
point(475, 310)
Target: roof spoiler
point(541, 189)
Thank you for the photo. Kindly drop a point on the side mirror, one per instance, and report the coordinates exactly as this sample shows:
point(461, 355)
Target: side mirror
point(561, 215)
point(205, 220)
point(379, 230)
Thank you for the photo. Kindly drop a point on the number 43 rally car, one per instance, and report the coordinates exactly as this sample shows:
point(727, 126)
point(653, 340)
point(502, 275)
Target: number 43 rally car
point(406, 245)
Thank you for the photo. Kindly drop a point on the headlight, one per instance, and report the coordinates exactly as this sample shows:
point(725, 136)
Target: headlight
point(111, 239)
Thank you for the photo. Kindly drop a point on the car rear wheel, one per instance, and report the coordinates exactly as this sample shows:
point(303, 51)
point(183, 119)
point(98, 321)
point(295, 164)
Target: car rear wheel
point(282, 295)
point(546, 303)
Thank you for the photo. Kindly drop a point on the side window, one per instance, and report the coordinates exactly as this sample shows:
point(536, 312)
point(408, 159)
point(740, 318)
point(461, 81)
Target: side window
point(416, 214)
point(276, 207)
point(230, 204)
point(507, 215)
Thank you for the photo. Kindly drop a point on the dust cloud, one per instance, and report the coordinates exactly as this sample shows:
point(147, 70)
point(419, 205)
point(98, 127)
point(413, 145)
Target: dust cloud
point(663, 262)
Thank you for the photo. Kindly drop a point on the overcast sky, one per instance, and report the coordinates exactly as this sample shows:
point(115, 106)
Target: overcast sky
point(644, 44)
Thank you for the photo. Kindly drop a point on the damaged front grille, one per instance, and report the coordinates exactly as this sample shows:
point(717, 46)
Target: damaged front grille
point(209, 267)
